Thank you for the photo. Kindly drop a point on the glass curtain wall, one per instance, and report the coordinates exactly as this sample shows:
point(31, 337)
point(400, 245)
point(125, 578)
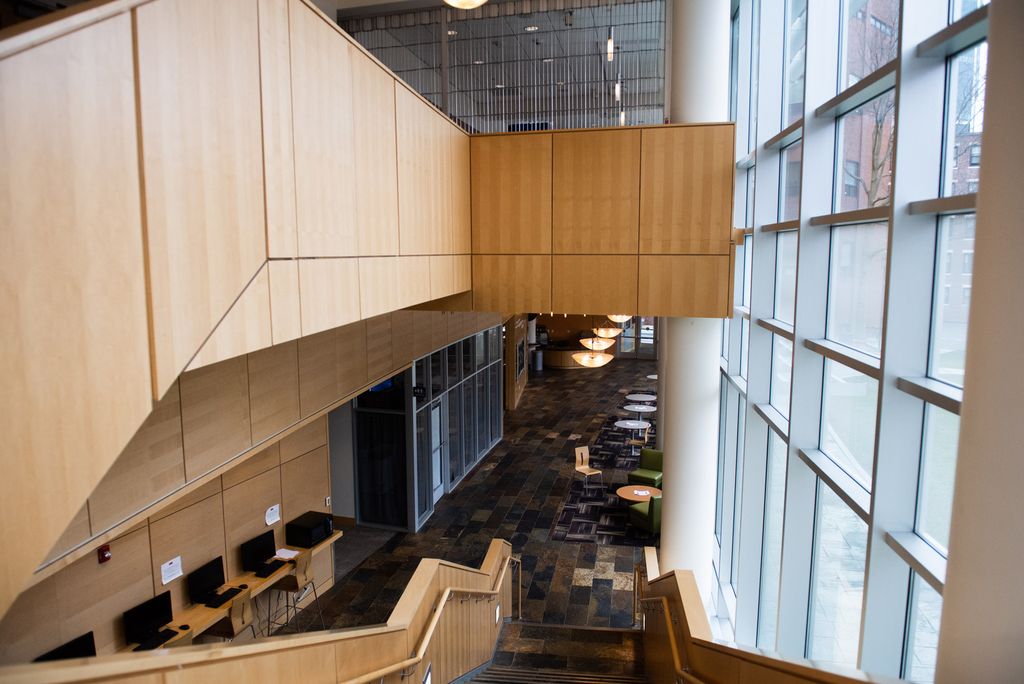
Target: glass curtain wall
point(457, 403)
point(840, 409)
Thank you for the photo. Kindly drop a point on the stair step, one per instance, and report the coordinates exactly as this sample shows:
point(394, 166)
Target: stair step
point(512, 675)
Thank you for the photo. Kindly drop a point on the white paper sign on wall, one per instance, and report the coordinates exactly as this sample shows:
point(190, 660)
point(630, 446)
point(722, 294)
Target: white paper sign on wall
point(171, 570)
point(273, 514)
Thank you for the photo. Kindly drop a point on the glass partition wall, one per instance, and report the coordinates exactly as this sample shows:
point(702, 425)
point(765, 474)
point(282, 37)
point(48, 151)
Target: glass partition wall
point(843, 364)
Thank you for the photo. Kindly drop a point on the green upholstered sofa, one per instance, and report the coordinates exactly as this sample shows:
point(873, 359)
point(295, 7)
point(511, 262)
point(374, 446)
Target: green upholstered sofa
point(649, 471)
point(647, 515)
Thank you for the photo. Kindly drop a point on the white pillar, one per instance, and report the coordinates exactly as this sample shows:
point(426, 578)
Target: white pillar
point(688, 371)
point(982, 619)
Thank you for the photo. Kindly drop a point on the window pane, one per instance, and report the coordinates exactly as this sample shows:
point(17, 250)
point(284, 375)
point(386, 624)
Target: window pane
point(952, 298)
point(744, 347)
point(722, 420)
point(734, 63)
point(848, 420)
point(922, 632)
point(959, 8)
point(863, 170)
point(965, 109)
point(789, 182)
point(771, 545)
point(785, 275)
point(869, 38)
point(725, 338)
point(796, 42)
point(840, 544)
point(748, 263)
point(755, 45)
point(782, 373)
point(737, 487)
point(938, 469)
point(857, 285)
point(748, 208)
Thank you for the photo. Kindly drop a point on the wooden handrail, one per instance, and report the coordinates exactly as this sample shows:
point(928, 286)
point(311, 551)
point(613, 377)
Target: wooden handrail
point(677, 662)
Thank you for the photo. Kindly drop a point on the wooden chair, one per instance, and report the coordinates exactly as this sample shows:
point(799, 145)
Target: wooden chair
point(638, 442)
point(240, 616)
point(290, 586)
point(583, 464)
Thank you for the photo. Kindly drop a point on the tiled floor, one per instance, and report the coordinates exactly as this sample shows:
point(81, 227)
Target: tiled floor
point(516, 493)
point(550, 647)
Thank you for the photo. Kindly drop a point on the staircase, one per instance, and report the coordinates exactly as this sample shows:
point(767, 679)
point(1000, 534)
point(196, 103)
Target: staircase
point(540, 653)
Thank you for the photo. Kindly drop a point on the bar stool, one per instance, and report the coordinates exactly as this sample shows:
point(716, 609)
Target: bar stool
point(240, 616)
point(291, 586)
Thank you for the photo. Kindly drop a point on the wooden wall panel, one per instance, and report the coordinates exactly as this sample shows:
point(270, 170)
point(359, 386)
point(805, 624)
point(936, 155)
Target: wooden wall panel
point(586, 284)
point(268, 459)
point(596, 192)
point(151, 466)
point(285, 316)
point(91, 596)
point(371, 653)
point(215, 415)
point(463, 273)
point(442, 276)
point(684, 286)
point(325, 172)
point(278, 151)
point(204, 250)
point(305, 484)
point(511, 194)
point(315, 665)
point(378, 291)
point(686, 190)
point(423, 332)
point(245, 327)
point(196, 534)
point(376, 156)
point(318, 380)
point(512, 283)
point(304, 440)
point(403, 338)
point(273, 390)
point(351, 355)
point(462, 208)
point(330, 293)
point(245, 506)
point(27, 629)
point(421, 174)
point(205, 491)
point(379, 354)
point(77, 531)
point(74, 302)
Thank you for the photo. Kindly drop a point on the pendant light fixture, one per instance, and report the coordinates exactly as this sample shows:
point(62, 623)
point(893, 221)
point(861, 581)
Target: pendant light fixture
point(608, 333)
point(611, 43)
point(597, 343)
point(619, 318)
point(591, 359)
point(464, 4)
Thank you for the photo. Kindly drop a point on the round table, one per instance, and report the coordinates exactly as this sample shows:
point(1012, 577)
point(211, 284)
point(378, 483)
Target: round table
point(632, 424)
point(641, 397)
point(637, 493)
point(639, 408)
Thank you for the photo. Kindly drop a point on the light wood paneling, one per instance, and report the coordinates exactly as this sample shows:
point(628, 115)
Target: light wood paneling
point(686, 190)
point(151, 466)
point(376, 157)
point(285, 318)
point(245, 507)
point(684, 286)
point(351, 354)
point(268, 459)
point(596, 192)
point(305, 484)
point(442, 276)
point(215, 415)
point(325, 171)
point(330, 293)
point(403, 335)
point(378, 291)
point(463, 273)
point(202, 252)
point(74, 302)
point(211, 488)
point(511, 194)
point(196, 534)
point(91, 596)
point(582, 284)
point(245, 327)
point(318, 382)
point(512, 283)
point(77, 531)
point(27, 629)
point(422, 180)
point(423, 332)
point(370, 652)
point(278, 153)
point(273, 390)
point(378, 346)
point(312, 665)
point(462, 208)
point(304, 440)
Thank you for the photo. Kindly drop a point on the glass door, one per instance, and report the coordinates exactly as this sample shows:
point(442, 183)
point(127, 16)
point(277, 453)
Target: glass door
point(437, 443)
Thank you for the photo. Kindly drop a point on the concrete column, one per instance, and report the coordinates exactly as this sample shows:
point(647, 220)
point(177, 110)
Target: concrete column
point(688, 374)
point(982, 620)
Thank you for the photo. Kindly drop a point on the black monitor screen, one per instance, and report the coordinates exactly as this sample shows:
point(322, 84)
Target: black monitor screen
point(82, 647)
point(205, 581)
point(146, 619)
point(258, 551)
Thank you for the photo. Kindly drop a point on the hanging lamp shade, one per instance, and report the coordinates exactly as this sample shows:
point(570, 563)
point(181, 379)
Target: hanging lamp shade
point(597, 343)
point(619, 318)
point(608, 332)
point(590, 359)
point(464, 4)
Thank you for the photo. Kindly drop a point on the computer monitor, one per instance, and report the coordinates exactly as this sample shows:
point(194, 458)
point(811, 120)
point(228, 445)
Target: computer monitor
point(206, 580)
point(258, 551)
point(146, 619)
point(80, 647)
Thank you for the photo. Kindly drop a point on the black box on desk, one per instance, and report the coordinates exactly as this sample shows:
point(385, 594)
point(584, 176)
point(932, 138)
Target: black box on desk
point(309, 529)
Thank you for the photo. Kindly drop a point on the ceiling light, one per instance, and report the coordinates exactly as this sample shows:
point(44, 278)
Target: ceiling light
point(618, 90)
point(619, 318)
point(464, 4)
point(531, 29)
point(499, 85)
point(548, 60)
point(611, 43)
point(622, 117)
point(596, 343)
point(478, 61)
point(592, 359)
point(608, 332)
point(452, 32)
point(560, 83)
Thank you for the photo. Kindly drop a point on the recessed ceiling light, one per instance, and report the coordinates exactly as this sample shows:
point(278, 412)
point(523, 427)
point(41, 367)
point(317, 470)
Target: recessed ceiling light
point(478, 61)
point(560, 83)
point(531, 29)
point(499, 85)
point(548, 60)
point(452, 32)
